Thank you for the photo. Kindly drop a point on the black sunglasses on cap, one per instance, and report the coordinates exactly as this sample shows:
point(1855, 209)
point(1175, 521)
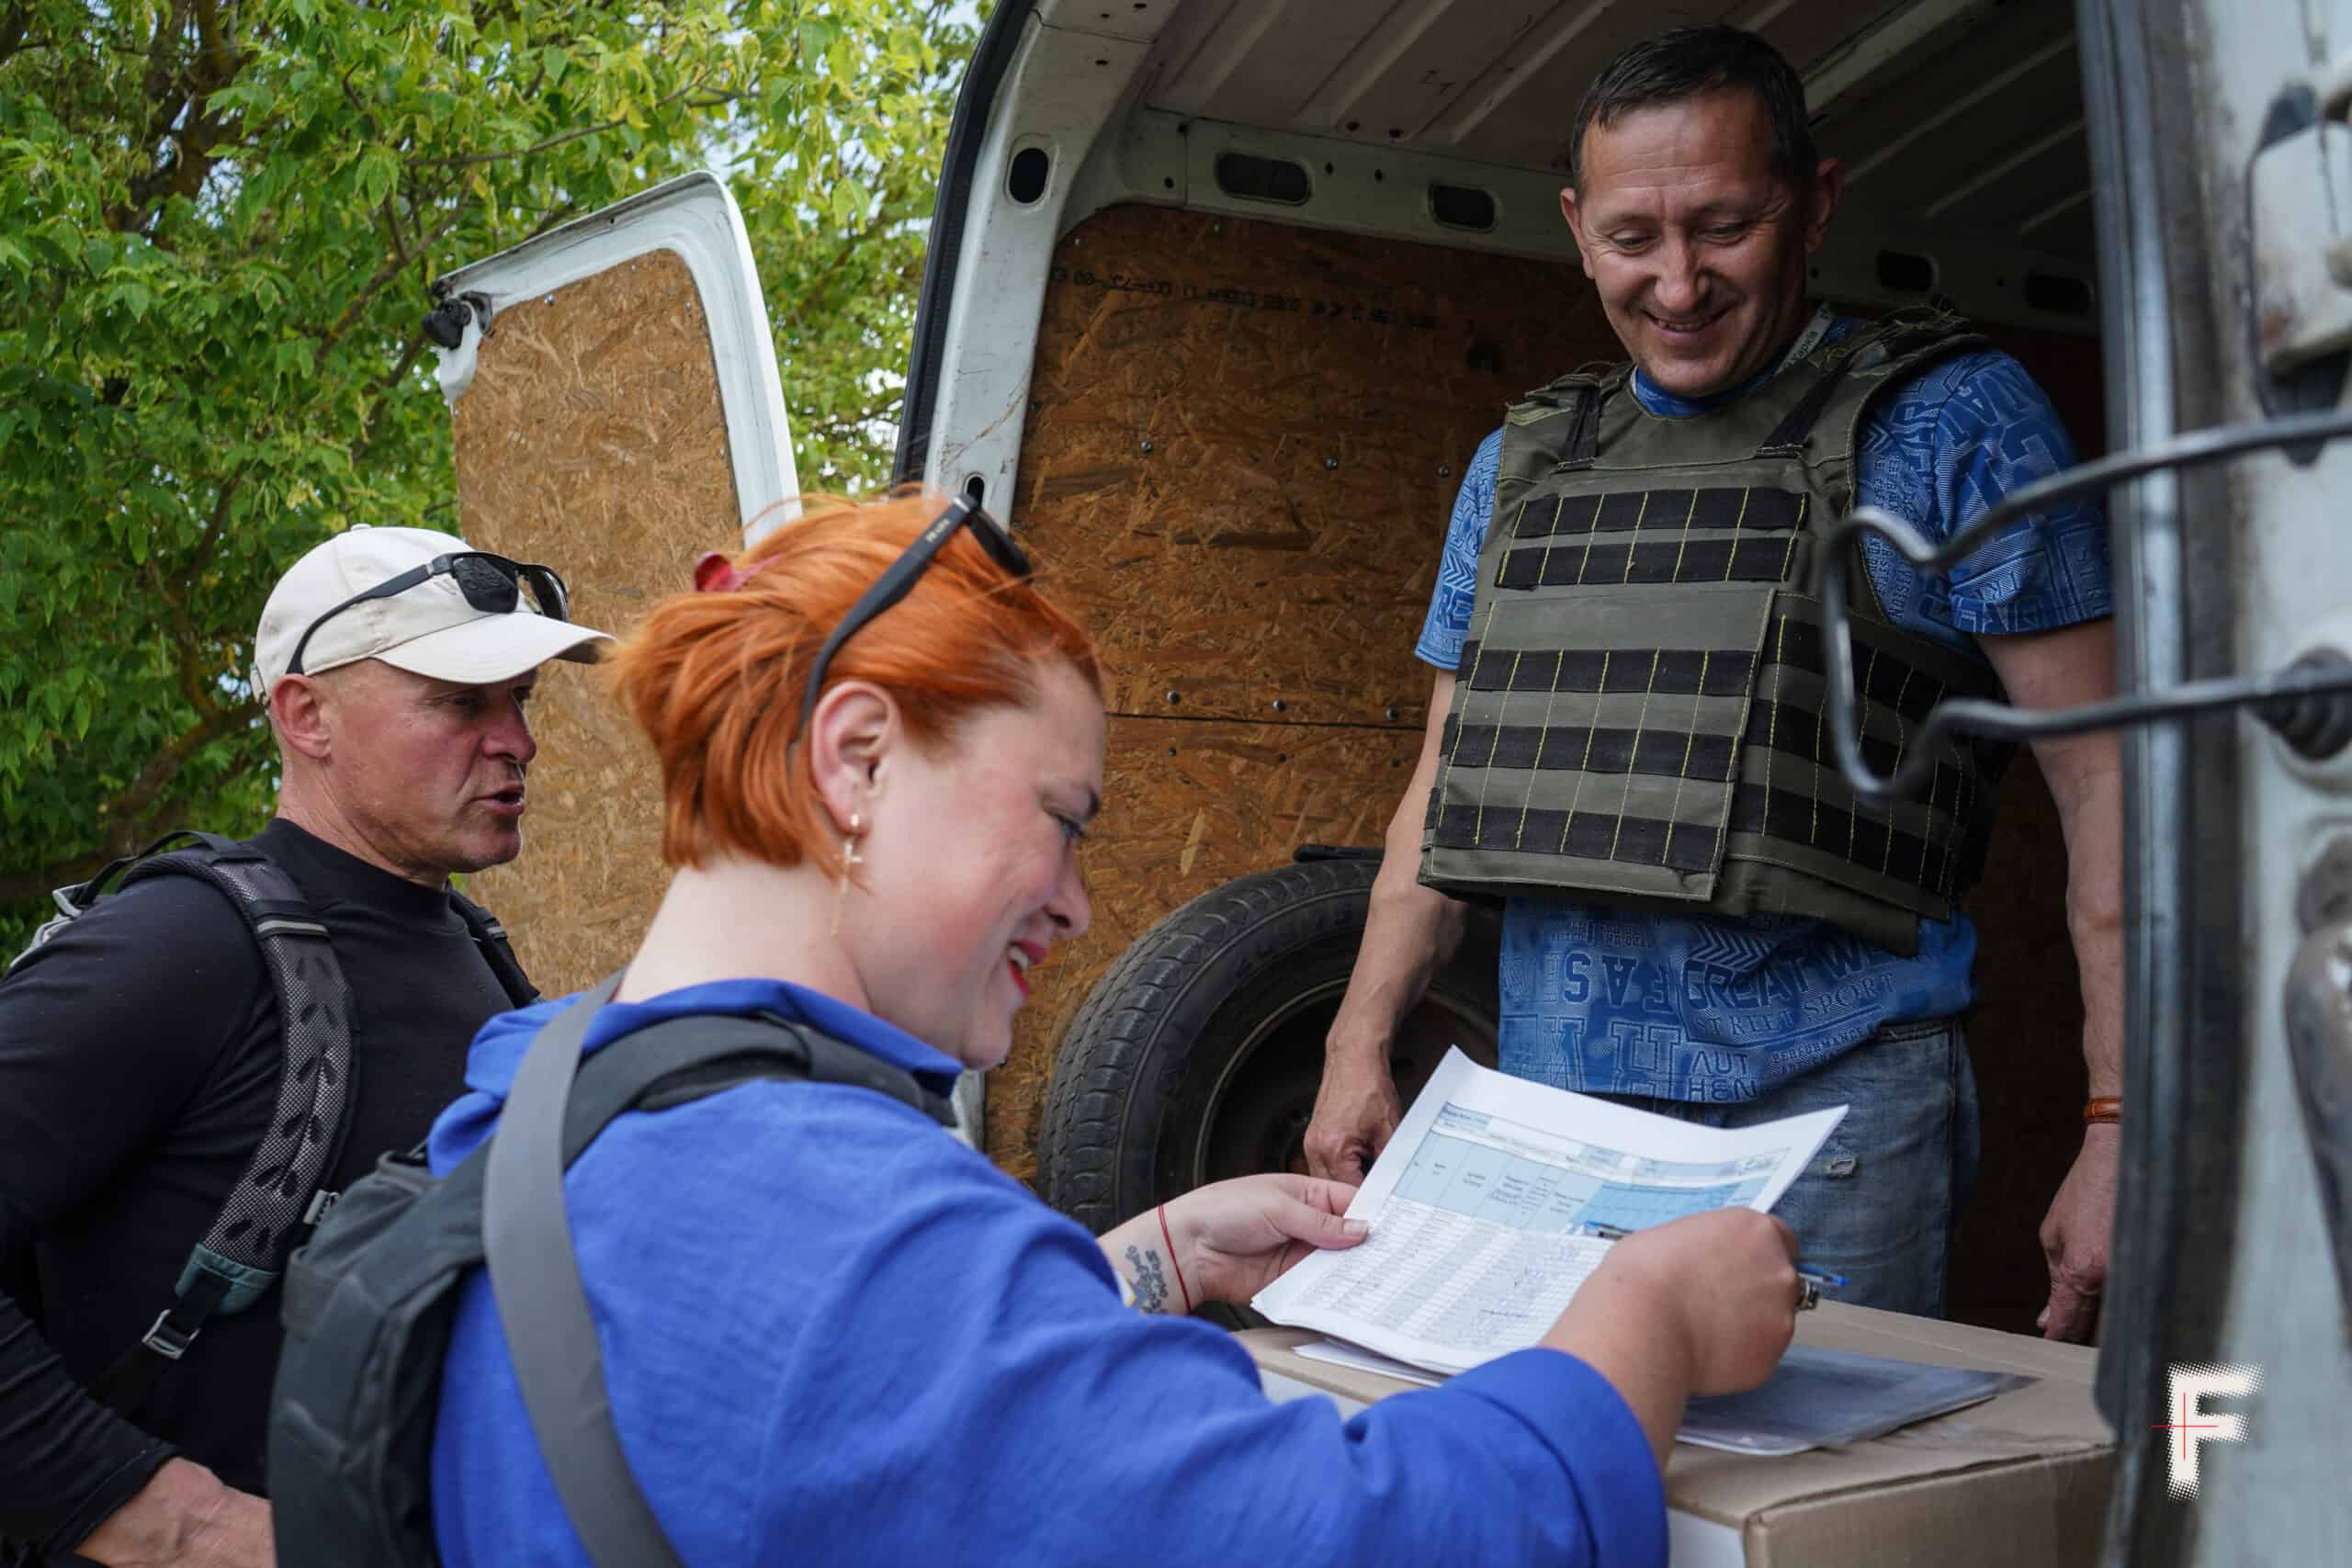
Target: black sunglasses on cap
point(893, 584)
point(492, 585)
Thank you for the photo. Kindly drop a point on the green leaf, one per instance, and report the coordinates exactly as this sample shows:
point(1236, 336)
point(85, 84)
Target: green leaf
point(378, 171)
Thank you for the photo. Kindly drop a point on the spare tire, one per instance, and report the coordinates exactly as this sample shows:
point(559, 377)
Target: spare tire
point(1197, 1056)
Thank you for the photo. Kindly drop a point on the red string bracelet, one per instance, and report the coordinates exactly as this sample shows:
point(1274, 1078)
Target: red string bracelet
point(1172, 1260)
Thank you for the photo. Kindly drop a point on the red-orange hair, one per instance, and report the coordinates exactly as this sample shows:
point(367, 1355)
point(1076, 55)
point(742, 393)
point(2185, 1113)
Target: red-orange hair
point(715, 679)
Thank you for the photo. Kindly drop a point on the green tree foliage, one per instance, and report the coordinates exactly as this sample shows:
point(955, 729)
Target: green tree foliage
point(218, 221)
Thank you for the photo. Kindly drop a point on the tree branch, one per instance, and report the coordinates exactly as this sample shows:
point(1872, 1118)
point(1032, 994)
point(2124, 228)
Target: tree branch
point(556, 215)
point(853, 424)
point(382, 279)
point(184, 135)
point(14, 22)
point(383, 391)
point(468, 158)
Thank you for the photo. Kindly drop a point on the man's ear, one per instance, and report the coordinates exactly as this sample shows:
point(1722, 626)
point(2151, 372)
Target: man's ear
point(301, 710)
point(1575, 230)
point(850, 739)
point(1828, 185)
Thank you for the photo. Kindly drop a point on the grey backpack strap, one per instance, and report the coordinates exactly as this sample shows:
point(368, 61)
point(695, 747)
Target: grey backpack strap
point(553, 1112)
point(543, 1306)
point(278, 1195)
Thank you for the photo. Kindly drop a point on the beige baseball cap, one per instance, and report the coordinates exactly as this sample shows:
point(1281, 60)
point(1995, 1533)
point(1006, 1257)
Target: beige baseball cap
point(430, 629)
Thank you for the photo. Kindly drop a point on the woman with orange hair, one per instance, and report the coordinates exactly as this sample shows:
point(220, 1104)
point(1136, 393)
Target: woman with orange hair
point(833, 1334)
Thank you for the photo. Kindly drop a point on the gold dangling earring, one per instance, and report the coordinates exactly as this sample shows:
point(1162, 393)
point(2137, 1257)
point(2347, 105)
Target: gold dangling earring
point(850, 857)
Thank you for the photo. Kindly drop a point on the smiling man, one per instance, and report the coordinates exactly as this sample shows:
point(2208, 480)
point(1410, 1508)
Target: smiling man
point(143, 1046)
point(1626, 738)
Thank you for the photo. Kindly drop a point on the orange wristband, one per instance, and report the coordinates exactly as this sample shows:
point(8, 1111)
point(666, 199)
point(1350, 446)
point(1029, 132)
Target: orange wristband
point(1172, 1264)
point(2106, 1107)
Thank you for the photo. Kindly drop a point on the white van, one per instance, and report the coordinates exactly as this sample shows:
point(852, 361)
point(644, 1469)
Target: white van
point(1222, 295)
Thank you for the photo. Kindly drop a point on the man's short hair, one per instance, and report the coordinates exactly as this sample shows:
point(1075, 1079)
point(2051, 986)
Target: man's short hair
point(1687, 62)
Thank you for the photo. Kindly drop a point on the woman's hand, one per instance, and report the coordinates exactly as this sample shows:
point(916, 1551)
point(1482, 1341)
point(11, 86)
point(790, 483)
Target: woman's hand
point(1701, 1304)
point(1229, 1239)
point(1234, 1238)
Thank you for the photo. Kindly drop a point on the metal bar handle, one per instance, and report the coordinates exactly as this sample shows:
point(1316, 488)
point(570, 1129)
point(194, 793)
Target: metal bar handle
point(2003, 720)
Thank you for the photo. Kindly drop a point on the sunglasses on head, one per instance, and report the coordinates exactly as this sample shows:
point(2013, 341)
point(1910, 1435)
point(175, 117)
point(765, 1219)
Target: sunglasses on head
point(492, 585)
point(893, 584)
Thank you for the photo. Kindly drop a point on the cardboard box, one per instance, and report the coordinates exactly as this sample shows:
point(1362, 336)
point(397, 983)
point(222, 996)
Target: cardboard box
point(2019, 1482)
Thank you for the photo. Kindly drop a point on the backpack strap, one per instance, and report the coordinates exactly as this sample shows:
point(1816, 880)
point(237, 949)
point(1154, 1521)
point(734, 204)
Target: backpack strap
point(73, 902)
point(241, 1256)
point(496, 951)
point(554, 1110)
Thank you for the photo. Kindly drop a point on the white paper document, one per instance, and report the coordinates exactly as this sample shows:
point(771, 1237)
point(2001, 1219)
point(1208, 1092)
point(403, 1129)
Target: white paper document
point(1482, 1209)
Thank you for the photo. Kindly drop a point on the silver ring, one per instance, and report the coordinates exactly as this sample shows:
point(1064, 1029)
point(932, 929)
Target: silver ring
point(1809, 1295)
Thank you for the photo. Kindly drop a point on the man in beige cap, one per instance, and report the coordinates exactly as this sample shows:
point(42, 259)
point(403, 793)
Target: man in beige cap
point(151, 1047)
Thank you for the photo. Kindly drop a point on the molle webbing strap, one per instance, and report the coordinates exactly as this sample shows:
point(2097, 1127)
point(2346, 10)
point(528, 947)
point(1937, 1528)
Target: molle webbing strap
point(1785, 729)
point(1658, 762)
point(1649, 539)
point(1881, 673)
point(1661, 512)
point(1646, 565)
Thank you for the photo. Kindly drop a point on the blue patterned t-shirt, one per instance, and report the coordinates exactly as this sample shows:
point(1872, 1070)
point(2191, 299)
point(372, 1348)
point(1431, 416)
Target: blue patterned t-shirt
point(1628, 1001)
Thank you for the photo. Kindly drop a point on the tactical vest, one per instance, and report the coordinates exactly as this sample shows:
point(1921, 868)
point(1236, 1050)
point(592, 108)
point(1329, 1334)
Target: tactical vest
point(1638, 716)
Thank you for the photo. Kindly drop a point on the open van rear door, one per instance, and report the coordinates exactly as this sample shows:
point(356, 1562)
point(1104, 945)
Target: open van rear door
point(612, 388)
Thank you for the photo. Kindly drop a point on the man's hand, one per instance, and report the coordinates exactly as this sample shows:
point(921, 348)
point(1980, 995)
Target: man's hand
point(183, 1517)
point(1356, 1112)
point(1408, 931)
point(2075, 1235)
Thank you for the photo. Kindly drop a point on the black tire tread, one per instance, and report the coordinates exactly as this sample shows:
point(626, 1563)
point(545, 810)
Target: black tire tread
point(1098, 1070)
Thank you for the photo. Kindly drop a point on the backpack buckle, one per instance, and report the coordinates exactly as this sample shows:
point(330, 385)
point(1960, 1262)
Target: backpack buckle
point(165, 1340)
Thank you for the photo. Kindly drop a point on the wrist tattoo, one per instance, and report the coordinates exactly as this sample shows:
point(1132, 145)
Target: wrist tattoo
point(1150, 1281)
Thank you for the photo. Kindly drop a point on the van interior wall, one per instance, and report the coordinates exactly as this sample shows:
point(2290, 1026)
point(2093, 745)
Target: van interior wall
point(592, 438)
point(1243, 444)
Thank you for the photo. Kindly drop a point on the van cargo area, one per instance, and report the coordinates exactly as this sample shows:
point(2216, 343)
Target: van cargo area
point(1222, 297)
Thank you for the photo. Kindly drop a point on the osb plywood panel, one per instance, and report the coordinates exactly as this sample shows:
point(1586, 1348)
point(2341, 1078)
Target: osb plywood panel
point(1245, 439)
point(593, 439)
point(1189, 805)
point(1243, 444)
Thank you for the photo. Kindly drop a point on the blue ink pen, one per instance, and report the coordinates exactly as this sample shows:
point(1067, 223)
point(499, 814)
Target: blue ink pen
point(1810, 1273)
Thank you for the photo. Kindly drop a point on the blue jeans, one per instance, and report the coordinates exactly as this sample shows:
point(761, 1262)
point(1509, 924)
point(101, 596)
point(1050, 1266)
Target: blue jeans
point(1878, 1202)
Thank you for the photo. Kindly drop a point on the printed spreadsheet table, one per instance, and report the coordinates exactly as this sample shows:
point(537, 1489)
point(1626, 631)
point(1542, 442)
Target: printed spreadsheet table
point(1483, 1205)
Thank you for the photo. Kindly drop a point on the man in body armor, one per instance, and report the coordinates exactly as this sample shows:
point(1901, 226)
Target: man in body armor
point(151, 1047)
point(1627, 739)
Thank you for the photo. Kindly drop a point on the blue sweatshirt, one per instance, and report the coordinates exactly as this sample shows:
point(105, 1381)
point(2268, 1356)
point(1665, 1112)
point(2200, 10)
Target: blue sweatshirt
point(835, 1335)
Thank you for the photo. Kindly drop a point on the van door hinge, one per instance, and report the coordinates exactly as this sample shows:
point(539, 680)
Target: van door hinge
point(2299, 193)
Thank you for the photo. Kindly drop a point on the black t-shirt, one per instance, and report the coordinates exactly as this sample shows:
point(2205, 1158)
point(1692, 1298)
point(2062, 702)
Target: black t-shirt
point(139, 1065)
